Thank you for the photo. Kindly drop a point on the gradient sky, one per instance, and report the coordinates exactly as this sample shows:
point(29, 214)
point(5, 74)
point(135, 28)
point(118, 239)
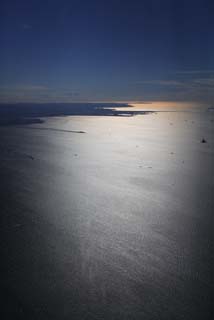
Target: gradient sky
point(94, 50)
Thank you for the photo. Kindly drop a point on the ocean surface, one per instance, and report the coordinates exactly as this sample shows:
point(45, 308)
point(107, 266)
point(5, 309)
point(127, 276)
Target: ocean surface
point(108, 217)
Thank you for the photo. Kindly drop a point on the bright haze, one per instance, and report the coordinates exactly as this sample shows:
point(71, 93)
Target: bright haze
point(69, 51)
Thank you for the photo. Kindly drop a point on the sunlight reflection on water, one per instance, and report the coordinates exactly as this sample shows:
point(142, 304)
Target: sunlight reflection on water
point(116, 221)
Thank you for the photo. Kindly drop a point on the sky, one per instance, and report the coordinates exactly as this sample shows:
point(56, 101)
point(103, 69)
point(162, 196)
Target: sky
point(99, 50)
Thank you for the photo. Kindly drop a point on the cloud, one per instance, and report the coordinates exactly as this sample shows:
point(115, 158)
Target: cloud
point(194, 72)
point(208, 82)
point(195, 82)
point(36, 93)
point(30, 88)
point(197, 86)
point(161, 82)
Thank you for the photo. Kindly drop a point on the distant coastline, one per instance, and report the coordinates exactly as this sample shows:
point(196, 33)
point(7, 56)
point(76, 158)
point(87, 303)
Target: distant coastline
point(30, 113)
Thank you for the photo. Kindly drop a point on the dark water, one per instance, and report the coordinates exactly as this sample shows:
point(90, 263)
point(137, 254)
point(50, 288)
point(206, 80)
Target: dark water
point(112, 223)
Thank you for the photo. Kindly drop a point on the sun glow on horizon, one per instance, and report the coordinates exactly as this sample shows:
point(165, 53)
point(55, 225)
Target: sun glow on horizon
point(167, 105)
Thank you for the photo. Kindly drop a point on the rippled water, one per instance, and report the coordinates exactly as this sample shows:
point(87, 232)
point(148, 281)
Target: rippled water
point(111, 223)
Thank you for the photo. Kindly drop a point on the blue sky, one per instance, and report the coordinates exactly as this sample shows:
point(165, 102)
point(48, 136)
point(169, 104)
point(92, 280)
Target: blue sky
point(112, 50)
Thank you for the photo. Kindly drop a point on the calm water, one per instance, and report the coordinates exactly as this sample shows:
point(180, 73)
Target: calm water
point(113, 223)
